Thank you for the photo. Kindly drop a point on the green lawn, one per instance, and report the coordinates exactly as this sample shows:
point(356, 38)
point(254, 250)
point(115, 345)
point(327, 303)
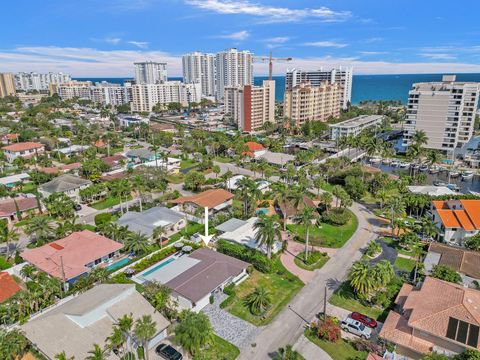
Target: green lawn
point(341, 350)
point(404, 264)
point(105, 204)
point(397, 246)
point(327, 187)
point(185, 164)
point(315, 261)
point(222, 159)
point(328, 235)
point(219, 349)
point(344, 297)
point(28, 188)
point(175, 178)
point(282, 289)
point(191, 229)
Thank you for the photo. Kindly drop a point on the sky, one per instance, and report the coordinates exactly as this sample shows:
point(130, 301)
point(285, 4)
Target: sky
point(102, 38)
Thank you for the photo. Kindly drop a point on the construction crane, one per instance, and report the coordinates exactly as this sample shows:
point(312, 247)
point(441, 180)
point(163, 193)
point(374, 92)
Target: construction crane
point(270, 62)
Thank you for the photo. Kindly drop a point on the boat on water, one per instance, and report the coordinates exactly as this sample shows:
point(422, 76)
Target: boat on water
point(440, 183)
point(453, 173)
point(404, 164)
point(423, 168)
point(395, 163)
point(386, 161)
point(466, 175)
point(453, 187)
point(434, 170)
point(375, 159)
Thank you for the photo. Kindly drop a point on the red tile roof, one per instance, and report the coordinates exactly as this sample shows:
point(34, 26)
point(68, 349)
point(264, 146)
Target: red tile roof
point(467, 218)
point(113, 160)
point(209, 198)
point(75, 251)
point(253, 146)
point(72, 166)
point(29, 145)
point(8, 286)
point(8, 208)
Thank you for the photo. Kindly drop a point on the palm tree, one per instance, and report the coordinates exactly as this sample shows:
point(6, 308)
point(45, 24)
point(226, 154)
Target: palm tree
point(194, 331)
point(305, 217)
point(7, 236)
point(397, 207)
point(40, 228)
point(116, 339)
point(63, 356)
point(382, 273)
point(145, 329)
point(287, 353)
point(98, 353)
point(360, 278)
point(267, 232)
point(326, 199)
point(158, 232)
point(136, 242)
point(259, 300)
point(248, 192)
point(382, 196)
point(433, 157)
point(419, 138)
point(281, 191)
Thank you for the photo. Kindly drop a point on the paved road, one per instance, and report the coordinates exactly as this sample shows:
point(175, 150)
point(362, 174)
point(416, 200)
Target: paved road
point(290, 323)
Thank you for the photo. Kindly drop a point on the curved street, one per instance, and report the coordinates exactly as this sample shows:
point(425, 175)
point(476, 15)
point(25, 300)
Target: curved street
point(290, 323)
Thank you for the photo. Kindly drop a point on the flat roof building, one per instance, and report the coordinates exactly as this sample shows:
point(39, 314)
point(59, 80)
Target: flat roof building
point(354, 126)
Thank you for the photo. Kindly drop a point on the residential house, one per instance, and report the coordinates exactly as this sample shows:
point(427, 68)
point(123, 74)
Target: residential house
point(243, 232)
point(12, 181)
point(290, 210)
point(63, 169)
point(115, 161)
point(73, 150)
point(195, 277)
point(456, 219)
point(11, 208)
point(25, 150)
point(140, 156)
point(8, 286)
point(67, 184)
point(171, 165)
point(76, 325)
point(255, 150)
point(9, 138)
point(465, 262)
point(73, 256)
point(437, 316)
point(147, 221)
point(215, 200)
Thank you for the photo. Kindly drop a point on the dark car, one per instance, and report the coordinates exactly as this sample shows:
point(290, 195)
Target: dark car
point(77, 207)
point(168, 352)
point(364, 319)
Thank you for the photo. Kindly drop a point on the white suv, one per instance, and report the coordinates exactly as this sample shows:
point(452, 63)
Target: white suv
point(356, 327)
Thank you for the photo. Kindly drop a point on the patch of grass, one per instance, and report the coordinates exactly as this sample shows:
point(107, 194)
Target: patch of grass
point(28, 188)
point(315, 261)
point(404, 264)
point(188, 231)
point(105, 204)
point(222, 159)
point(327, 186)
point(219, 349)
point(185, 164)
point(327, 235)
point(281, 285)
point(344, 297)
point(340, 350)
point(175, 178)
point(397, 246)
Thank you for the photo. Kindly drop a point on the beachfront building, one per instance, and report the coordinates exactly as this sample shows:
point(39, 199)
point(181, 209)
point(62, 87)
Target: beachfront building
point(200, 68)
point(234, 68)
point(73, 89)
point(40, 82)
point(84, 320)
point(24, 150)
point(342, 76)
point(73, 256)
point(146, 96)
point(7, 85)
point(437, 316)
point(68, 184)
point(444, 110)
point(150, 72)
point(305, 102)
point(354, 126)
point(250, 107)
point(456, 219)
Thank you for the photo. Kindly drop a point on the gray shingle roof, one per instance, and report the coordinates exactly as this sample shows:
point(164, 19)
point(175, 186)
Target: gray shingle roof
point(230, 225)
point(64, 183)
point(146, 221)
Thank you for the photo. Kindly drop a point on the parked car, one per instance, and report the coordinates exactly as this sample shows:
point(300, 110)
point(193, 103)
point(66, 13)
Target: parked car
point(168, 352)
point(364, 319)
point(77, 207)
point(356, 327)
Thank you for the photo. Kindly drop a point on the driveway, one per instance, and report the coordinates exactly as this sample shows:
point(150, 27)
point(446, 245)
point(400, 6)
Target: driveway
point(389, 253)
point(290, 323)
point(231, 328)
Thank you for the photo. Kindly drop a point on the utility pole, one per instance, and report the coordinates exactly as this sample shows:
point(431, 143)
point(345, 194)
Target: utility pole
point(63, 273)
point(325, 304)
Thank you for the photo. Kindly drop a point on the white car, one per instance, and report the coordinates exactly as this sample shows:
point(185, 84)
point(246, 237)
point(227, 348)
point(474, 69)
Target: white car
point(356, 327)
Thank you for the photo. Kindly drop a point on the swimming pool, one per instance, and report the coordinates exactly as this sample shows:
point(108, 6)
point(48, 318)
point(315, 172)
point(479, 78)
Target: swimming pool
point(262, 211)
point(159, 266)
point(117, 264)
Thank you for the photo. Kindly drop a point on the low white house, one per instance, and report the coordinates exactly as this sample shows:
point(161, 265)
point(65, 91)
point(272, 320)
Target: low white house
point(25, 150)
point(67, 184)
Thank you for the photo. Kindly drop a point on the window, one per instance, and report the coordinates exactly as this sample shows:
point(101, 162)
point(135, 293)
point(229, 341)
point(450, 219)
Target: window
point(463, 332)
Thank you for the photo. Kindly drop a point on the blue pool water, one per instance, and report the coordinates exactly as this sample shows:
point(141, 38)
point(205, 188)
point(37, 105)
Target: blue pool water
point(118, 264)
point(159, 266)
point(262, 211)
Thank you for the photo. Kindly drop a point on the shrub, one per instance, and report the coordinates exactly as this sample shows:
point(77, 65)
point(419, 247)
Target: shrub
point(373, 248)
point(102, 218)
point(446, 273)
point(4, 264)
point(329, 329)
point(252, 256)
point(229, 289)
point(336, 216)
point(145, 263)
point(211, 299)
point(227, 301)
point(368, 346)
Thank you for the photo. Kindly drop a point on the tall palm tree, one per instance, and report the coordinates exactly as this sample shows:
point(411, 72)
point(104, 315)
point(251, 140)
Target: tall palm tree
point(40, 228)
point(125, 324)
point(281, 191)
point(259, 300)
point(116, 339)
point(97, 353)
point(145, 329)
point(397, 207)
point(267, 232)
point(136, 242)
point(305, 217)
point(419, 138)
point(360, 278)
point(7, 236)
point(248, 192)
point(382, 273)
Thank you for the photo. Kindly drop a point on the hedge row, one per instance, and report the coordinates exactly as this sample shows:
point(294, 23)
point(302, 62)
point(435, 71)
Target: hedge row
point(254, 257)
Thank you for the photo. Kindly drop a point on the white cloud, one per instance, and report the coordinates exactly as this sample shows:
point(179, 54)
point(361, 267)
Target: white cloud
point(108, 40)
point(239, 35)
point(89, 62)
point(438, 56)
point(373, 52)
point(278, 39)
point(326, 44)
point(269, 13)
point(139, 44)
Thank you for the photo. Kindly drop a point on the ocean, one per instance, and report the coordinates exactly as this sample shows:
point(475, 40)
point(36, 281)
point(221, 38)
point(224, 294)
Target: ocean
point(365, 87)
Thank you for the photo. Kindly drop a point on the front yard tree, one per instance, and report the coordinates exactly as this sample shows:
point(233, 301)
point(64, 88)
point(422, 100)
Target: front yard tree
point(267, 232)
point(194, 331)
point(360, 278)
point(305, 217)
point(136, 242)
point(259, 300)
point(145, 329)
point(446, 273)
point(194, 180)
